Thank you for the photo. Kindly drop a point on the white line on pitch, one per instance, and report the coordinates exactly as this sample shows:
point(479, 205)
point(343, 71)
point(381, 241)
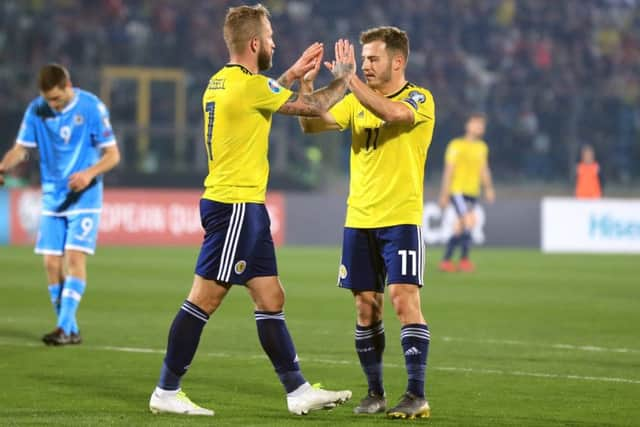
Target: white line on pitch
point(542, 345)
point(347, 362)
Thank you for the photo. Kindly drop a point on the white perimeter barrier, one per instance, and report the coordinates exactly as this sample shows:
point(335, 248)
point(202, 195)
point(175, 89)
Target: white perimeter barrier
point(603, 225)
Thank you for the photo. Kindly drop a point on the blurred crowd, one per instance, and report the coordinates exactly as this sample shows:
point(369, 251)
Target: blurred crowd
point(551, 75)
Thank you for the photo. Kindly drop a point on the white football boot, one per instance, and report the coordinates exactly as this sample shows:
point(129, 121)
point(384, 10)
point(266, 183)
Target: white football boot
point(174, 402)
point(310, 398)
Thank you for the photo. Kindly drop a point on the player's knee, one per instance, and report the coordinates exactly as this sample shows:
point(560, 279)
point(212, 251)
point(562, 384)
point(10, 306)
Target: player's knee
point(368, 308)
point(272, 302)
point(267, 294)
point(53, 266)
point(406, 304)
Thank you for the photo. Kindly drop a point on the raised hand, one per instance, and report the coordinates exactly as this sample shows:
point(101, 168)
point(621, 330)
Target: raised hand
point(307, 61)
point(344, 66)
point(311, 75)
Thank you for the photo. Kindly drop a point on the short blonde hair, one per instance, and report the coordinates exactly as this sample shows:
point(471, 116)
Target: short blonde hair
point(241, 24)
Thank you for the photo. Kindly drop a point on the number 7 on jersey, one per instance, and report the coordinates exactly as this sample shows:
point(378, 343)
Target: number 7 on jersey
point(210, 108)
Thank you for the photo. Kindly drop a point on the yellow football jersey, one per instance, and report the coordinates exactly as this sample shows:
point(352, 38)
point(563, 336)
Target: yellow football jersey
point(468, 159)
point(387, 160)
point(238, 106)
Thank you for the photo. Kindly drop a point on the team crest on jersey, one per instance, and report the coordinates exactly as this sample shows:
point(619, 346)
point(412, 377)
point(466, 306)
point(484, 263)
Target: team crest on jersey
point(240, 266)
point(342, 272)
point(361, 114)
point(274, 86)
point(78, 119)
point(415, 98)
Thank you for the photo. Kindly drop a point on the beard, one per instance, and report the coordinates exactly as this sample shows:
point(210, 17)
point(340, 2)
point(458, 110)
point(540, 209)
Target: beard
point(381, 78)
point(264, 59)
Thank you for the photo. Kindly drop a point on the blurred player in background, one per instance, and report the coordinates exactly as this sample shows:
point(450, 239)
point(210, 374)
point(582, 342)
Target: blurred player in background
point(466, 169)
point(391, 122)
point(71, 130)
point(238, 105)
point(588, 176)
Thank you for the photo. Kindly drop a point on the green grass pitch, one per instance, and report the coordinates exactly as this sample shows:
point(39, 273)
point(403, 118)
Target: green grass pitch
point(528, 340)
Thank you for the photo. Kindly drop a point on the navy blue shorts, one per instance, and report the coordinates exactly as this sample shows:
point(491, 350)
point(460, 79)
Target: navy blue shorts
point(372, 257)
point(237, 244)
point(463, 203)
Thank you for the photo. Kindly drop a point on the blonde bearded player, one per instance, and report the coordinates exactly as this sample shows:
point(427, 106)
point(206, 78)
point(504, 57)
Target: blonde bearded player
point(391, 122)
point(238, 105)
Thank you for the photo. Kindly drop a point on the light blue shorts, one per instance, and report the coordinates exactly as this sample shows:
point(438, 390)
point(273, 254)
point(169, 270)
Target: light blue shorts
point(58, 234)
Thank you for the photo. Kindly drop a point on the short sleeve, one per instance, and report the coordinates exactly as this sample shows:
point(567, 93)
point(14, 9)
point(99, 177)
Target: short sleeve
point(27, 133)
point(451, 153)
point(341, 112)
point(420, 101)
point(102, 131)
point(266, 94)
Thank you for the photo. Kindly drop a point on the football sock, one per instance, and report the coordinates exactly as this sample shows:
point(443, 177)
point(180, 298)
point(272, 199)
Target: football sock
point(451, 246)
point(276, 342)
point(54, 293)
point(370, 342)
point(465, 242)
point(71, 295)
point(415, 344)
point(184, 337)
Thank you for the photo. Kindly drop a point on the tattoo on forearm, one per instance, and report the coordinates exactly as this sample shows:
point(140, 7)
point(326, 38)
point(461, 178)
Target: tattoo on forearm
point(317, 102)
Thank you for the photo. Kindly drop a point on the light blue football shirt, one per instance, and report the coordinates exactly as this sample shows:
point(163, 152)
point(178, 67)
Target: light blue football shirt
point(68, 142)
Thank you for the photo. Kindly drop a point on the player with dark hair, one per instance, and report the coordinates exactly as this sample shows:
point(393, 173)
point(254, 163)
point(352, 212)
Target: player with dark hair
point(466, 169)
point(71, 130)
point(391, 122)
point(238, 105)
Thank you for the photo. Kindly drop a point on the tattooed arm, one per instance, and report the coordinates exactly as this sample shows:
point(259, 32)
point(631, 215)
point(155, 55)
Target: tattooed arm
point(322, 122)
point(319, 101)
point(316, 102)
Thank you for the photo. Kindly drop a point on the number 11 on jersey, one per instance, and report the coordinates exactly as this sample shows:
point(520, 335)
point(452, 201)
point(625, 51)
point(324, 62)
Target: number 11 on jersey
point(210, 108)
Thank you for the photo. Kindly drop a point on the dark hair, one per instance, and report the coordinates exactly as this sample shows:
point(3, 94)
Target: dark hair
point(52, 75)
point(241, 24)
point(477, 115)
point(394, 38)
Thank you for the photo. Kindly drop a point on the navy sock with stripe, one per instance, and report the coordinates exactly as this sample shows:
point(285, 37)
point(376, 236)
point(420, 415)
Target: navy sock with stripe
point(184, 337)
point(370, 343)
point(415, 339)
point(277, 343)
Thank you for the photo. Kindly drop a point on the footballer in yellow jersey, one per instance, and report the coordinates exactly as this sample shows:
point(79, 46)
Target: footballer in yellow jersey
point(238, 248)
point(237, 152)
point(391, 123)
point(387, 159)
point(466, 169)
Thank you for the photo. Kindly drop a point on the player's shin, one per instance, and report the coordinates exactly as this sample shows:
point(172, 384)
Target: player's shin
point(54, 293)
point(71, 296)
point(370, 344)
point(465, 243)
point(184, 337)
point(415, 345)
point(278, 345)
point(451, 246)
